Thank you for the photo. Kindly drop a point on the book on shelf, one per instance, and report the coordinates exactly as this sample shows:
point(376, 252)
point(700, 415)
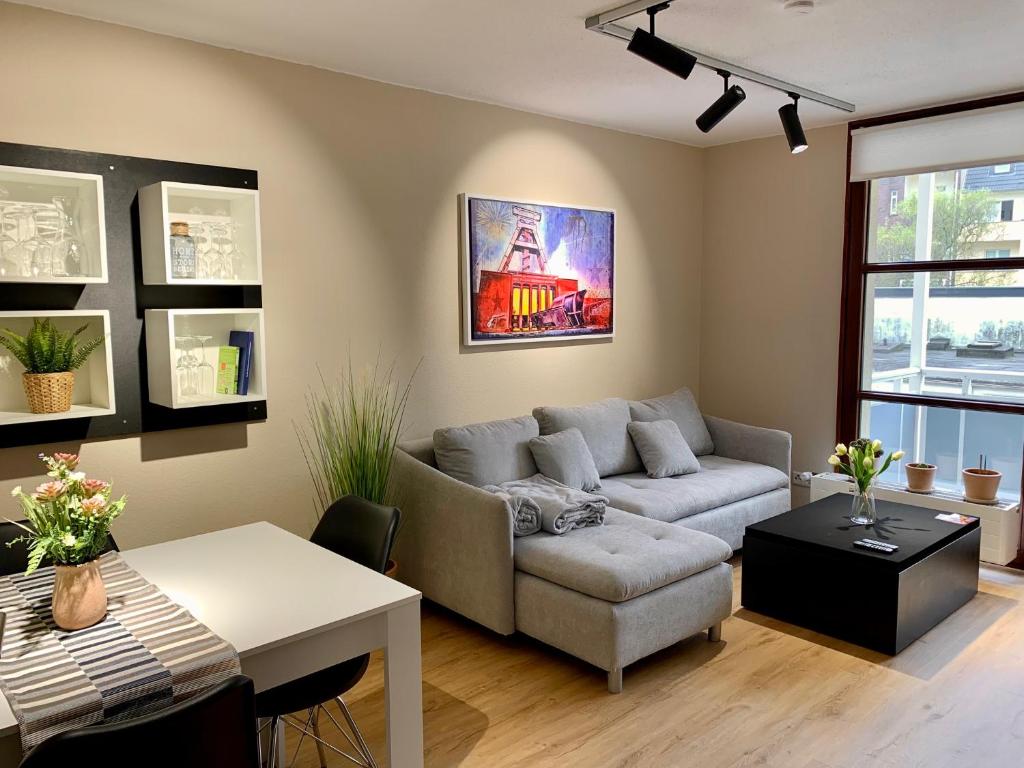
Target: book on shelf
point(244, 341)
point(227, 370)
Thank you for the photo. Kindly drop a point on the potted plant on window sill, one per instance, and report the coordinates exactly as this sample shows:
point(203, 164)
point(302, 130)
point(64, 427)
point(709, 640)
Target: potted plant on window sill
point(352, 432)
point(69, 521)
point(50, 357)
point(981, 484)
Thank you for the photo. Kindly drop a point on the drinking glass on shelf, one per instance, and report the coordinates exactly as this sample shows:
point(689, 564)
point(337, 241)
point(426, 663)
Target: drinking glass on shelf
point(205, 375)
point(9, 266)
point(237, 254)
point(186, 367)
point(47, 258)
point(24, 247)
point(71, 246)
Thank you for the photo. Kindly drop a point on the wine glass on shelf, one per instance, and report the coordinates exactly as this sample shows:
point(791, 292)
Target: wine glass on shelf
point(237, 254)
point(204, 370)
point(187, 364)
point(24, 247)
point(221, 237)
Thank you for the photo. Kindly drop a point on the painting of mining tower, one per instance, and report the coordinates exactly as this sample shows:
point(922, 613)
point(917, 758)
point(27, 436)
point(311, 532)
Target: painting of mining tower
point(536, 272)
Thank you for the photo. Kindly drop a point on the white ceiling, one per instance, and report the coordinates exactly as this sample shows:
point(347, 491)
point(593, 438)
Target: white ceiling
point(535, 55)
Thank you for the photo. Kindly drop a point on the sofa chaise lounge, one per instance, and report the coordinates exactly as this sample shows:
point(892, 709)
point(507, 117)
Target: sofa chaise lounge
point(652, 575)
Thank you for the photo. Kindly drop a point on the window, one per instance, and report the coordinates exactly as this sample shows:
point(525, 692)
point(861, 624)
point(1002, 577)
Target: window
point(894, 202)
point(933, 328)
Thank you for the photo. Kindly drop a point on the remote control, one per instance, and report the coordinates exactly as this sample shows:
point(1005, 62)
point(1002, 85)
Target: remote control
point(886, 544)
point(874, 547)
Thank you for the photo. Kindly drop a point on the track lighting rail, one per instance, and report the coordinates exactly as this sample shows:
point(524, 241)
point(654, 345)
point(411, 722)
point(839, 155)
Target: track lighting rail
point(606, 24)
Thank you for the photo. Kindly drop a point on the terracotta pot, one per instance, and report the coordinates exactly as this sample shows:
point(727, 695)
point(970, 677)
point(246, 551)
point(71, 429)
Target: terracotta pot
point(920, 477)
point(79, 597)
point(391, 569)
point(48, 392)
point(981, 484)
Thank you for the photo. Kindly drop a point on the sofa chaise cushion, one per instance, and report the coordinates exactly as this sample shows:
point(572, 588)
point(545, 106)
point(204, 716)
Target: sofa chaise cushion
point(720, 481)
point(489, 453)
point(603, 425)
point(681, 408)
point(627, 557)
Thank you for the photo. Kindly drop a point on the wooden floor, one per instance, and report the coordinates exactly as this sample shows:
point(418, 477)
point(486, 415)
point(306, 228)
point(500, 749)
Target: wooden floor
point(770, 695)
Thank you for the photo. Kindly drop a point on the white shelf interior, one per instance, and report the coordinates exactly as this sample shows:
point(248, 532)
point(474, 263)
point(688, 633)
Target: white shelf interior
point(94, 381)
point(223, 221)
point(163, 329)
point(42, 212)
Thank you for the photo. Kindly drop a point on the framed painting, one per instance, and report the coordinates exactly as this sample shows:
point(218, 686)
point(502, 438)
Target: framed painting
point(535, 272)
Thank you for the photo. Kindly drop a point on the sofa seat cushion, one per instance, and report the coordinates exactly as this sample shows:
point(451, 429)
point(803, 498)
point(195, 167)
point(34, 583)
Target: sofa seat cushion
point(720, 481)
point(626, 557)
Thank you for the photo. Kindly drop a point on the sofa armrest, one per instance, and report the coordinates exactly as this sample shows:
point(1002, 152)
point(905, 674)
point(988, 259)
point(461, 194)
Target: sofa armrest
point(770, 447)
point(455, 543)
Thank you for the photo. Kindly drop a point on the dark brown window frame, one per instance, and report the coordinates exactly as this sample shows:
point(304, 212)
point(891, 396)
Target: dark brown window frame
point(856, 270)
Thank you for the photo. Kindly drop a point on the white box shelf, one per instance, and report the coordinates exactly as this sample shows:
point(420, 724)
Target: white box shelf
point(94, 381)
point(35, 228)
point(165, 326)
point(226, 218)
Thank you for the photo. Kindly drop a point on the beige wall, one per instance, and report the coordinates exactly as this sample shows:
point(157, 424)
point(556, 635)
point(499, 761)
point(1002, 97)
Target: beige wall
point(359, 183)
point(772, 278)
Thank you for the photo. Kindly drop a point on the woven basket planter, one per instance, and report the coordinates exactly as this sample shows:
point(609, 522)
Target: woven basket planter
point(49, 392)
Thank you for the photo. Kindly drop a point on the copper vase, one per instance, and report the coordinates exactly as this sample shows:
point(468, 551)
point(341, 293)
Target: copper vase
point(79, 597)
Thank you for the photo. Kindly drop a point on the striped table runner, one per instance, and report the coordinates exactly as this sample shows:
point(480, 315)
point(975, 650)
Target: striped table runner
point(146, 654)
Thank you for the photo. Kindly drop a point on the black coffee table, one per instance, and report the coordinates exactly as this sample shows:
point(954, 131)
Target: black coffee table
point(801, 567)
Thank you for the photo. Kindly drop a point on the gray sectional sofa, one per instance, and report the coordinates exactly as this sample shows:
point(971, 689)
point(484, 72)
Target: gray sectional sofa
point(653, 574)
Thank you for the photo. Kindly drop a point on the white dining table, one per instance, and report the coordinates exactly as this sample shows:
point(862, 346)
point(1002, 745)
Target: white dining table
point(289, 608)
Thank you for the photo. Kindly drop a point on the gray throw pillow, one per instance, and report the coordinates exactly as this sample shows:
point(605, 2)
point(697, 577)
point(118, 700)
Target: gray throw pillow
point(490, 453)
point(681, 408)
point(662, 448)
point(603, 425)
point(564, 457)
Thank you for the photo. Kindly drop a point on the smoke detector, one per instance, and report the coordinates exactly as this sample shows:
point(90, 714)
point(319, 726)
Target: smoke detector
point(798, 6)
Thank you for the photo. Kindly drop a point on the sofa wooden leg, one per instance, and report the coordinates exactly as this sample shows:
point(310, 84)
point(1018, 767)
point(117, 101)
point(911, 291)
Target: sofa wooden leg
point(615, 680)
point(715, 633)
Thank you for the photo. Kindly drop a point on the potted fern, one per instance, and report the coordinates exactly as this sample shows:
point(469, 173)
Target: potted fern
point(51, 357)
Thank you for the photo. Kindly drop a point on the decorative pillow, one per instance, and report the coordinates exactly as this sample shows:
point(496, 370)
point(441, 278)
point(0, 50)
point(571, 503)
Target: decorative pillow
point(681, 408)
point(663, 449)
point(564, 457)
point(490, 453)
point(603, 425)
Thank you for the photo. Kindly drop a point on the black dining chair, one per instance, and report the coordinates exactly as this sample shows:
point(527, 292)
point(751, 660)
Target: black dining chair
point(364, 532)
point(14, 558)
point(214, 729)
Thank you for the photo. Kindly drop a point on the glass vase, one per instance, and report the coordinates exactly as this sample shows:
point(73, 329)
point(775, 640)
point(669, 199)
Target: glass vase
point(862, 510)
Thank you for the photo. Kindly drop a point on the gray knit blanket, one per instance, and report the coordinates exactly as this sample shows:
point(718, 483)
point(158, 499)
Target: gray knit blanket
point(561, 508)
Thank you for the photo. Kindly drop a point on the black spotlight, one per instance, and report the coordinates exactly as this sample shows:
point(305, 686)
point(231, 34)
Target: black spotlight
point(724, 104)
point(791, 124)
point(657, 51)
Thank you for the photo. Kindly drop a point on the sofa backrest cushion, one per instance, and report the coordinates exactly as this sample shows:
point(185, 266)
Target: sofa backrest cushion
point(681, 408)
point(603, 425)
point(490, 453)
point(564, 457)
point(662, 448)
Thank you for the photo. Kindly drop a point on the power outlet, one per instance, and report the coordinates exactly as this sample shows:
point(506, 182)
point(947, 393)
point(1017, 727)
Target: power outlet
point(803, 479)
